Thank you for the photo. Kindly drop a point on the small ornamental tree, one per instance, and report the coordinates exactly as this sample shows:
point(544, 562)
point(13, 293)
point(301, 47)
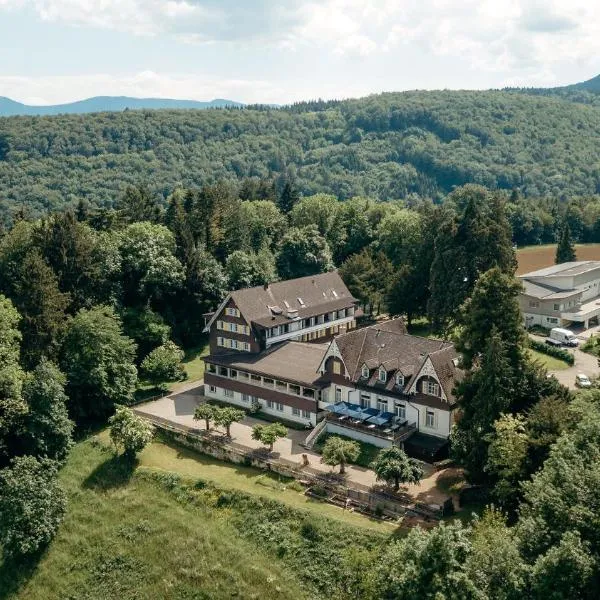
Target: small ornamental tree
point(269, 434)
point(338, 451)
point(164, 364)
point(393, 466)
point(205, 411)
point(32, 505)
point(226, 416)
point(130, 431)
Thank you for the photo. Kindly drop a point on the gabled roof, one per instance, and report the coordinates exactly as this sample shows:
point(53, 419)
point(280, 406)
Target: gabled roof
point(281, 301)
point(389, 345)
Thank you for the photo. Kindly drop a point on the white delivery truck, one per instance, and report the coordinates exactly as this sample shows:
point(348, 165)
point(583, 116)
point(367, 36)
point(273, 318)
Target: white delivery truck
point(562, 337)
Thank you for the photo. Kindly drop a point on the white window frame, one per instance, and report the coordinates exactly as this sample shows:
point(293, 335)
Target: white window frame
point(213, 389)
point(338, 394)
point(232, 312)
point(364, 371)
point(399, 380)
point(337, 367)
point(382, 404)
point(430, 419)
point(433, 388)
point(228, 393)
point(382, 375)
point(295, 411)
point(400, 411)
point(306, 414)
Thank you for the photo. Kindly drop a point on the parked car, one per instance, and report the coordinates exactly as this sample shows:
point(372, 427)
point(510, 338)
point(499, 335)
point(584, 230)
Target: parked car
point(562, 337)
point(582, 381)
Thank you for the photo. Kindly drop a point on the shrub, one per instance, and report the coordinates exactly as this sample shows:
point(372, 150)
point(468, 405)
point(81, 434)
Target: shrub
point(592, 346)
point(130, 431)
point(554, 351)
point(224, 499)
point(309, 531)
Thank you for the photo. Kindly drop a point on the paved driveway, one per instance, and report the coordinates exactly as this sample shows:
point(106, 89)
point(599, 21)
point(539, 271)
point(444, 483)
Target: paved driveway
point(180, 408)
point(584, 363)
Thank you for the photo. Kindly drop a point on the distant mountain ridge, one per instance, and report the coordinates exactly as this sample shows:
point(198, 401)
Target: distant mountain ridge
point(9, 108)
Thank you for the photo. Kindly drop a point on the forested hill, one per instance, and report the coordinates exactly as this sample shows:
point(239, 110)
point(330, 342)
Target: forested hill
point(10, 108)
point(386, 146)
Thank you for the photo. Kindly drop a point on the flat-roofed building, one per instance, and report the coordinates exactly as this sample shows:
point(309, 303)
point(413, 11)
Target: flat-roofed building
point(562, 294)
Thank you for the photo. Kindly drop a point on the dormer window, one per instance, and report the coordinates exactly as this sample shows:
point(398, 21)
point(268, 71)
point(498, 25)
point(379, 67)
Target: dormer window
point(365, 372)
point(399, 380)
point(382, 375)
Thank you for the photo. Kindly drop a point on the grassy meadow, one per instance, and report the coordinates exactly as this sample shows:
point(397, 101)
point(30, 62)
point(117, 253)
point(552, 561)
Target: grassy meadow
point(177, 525)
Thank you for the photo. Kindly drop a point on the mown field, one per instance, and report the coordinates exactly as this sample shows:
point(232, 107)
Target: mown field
point(145, 532)
point(531, 258)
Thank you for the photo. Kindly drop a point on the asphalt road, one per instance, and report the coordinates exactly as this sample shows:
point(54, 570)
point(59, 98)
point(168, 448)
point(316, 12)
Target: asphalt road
point(584, 363)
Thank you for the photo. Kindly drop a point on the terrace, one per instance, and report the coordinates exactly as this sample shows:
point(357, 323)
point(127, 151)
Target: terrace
point(384, 425)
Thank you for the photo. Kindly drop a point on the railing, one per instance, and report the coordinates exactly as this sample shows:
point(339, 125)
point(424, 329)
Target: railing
point(314, 434)
point(396, 436)
point(305, 330)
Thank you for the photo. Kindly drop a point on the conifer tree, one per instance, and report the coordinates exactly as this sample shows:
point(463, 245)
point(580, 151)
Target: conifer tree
point(565, 251)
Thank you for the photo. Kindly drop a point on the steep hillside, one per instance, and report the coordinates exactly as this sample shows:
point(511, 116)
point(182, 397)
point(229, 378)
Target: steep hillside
point(9, 108)
point(387, 146)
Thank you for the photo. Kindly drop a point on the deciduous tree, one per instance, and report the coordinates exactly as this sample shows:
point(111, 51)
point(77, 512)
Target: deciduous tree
point(130, 431)
point(205, 412)
point(32, 505)
point(98, 361)
point(228, 415)
point(46, 430)
point(269, 434)
point(393, 466)
point(338, 451)
point(163, 364)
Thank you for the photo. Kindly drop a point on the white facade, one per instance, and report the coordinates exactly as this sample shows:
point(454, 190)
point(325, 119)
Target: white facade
point(274, 409)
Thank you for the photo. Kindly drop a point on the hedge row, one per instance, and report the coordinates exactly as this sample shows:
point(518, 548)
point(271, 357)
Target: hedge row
point(552, 351)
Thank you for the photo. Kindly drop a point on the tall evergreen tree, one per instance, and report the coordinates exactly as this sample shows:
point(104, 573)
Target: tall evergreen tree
point(565, 251)
point(493, 304)
point(288, 198)
point(482, 396)
point(474, 241)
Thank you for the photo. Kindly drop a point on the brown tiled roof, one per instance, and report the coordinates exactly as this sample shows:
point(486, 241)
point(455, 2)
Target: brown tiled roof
point(296, 362)
point(448, 374)
point(389, 345)
point(319, 293)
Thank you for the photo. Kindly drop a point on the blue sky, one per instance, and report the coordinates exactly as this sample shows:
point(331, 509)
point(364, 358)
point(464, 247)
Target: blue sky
point(281, 51)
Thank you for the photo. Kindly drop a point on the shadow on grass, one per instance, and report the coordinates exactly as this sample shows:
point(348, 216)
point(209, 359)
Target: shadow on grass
point(111, 474)
point(15, 572)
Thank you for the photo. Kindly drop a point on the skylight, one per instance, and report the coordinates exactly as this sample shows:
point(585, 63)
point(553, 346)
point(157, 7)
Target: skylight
point(335, 295)
point(300, 302)
point(287, 304)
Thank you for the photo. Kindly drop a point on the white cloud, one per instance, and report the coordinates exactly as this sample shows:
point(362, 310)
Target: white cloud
point(146, 84)
point(521, 41)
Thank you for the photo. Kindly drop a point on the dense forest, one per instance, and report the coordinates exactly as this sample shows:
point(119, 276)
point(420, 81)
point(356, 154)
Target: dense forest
point(389, 146)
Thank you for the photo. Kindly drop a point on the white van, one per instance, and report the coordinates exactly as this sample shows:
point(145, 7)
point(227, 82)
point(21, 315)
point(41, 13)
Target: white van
point(562, 337)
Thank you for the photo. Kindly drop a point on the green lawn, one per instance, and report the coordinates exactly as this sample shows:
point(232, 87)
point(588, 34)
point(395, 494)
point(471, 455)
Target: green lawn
point(551, 363)
point(178, 526)
point(246, 479)
point(368, 452)
point(125, 537)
